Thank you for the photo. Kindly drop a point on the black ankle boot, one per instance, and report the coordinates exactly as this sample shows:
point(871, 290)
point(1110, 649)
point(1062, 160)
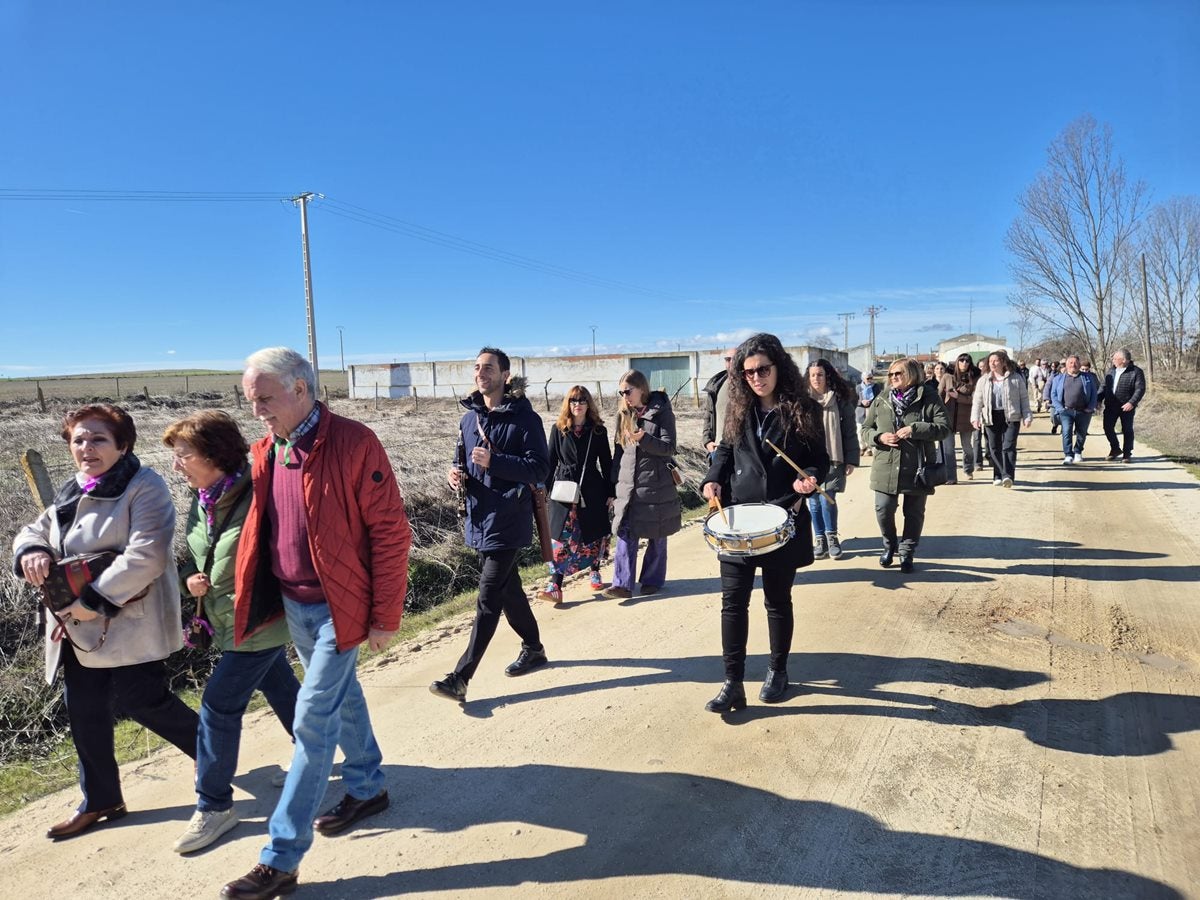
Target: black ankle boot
point(888, 554)
point(775, 686)
point(906, 563)
point(731, 696)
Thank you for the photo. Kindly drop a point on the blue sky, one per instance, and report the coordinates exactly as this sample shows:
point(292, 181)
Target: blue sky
point(735, 167)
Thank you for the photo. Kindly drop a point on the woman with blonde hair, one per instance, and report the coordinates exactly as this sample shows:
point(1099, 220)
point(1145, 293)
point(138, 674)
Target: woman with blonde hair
point(1001, 405)
point(646, 503)
point(579, 455)
point(905, 424)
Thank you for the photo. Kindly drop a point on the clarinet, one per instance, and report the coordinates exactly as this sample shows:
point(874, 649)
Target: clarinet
point(460, 493)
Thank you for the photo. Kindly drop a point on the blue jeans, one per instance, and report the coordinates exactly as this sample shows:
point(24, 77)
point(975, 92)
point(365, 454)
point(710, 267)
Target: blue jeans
point(1075, 424)
point(654, 563)
point(226, 695)
point(824, 515)
point(330, 712)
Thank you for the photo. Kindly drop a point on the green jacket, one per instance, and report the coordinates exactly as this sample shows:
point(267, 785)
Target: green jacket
point(894, 469)
point(218, 602)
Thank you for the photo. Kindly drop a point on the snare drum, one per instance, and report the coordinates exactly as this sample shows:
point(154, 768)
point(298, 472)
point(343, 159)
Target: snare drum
point(749, 529)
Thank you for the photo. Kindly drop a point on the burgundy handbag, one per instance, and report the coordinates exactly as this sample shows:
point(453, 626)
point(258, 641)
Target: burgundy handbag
point(68, 577)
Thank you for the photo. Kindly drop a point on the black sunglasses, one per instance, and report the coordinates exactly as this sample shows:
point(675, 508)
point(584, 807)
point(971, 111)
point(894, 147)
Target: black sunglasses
point(626, 392)
point(759, 372)
point(577, 400)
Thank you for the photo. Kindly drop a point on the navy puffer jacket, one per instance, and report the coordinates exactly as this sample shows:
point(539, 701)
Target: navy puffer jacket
point(499, 505)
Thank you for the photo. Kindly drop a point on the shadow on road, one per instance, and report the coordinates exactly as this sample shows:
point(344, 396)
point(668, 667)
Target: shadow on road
point(666, 823)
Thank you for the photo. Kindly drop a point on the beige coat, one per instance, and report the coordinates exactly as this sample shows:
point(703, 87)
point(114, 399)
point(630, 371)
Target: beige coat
point(140, 525)
point(1014, 396)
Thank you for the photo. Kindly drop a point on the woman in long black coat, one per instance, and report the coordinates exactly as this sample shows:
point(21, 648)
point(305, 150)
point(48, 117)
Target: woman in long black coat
point(768, 401)
point(579, 453)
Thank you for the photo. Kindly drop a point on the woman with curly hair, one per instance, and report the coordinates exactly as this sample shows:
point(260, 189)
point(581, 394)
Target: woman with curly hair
point(579, 453)
point(769, 400)
point(836, 398)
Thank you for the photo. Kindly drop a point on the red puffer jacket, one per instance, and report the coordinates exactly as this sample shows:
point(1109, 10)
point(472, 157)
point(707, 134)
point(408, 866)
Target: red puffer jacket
point(358, 535)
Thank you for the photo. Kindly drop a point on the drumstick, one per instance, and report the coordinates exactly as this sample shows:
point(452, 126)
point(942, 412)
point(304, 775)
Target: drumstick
point(787, 459)
point(720, 509)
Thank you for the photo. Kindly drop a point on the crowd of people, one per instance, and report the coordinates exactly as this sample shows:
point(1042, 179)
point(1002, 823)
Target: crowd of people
point(302, 539)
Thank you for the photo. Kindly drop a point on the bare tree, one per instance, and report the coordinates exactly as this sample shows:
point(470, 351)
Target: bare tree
point(1171, 244)
point(1070, 240)
point(1026, 326)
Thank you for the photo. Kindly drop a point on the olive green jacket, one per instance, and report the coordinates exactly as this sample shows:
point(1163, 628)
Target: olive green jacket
point(218, 602)
point(894, 469)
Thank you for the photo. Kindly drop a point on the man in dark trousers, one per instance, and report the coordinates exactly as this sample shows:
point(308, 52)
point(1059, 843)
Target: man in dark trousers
point(1124, 387)
point(325, 545)
point(503, 454)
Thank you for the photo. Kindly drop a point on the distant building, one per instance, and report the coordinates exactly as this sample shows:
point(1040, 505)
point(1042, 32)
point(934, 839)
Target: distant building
point(978, 345)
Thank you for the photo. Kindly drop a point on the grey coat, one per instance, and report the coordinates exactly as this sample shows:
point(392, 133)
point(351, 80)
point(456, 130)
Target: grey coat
point(139, 525)
point(646, 498)
point(894, 469)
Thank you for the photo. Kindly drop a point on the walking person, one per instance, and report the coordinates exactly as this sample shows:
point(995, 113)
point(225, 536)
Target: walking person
point(111, 642)
point(1001, 405)
point(579, 455)
point(716, 401)
point(1124, 387)
point(210, 453)
point(957, 391)
point(867, 390)
point(647, 504)
point(769, 401)
point(835, 397)
point(324, 544)
point(905, 425)
point(1073, 395)
point(503, 456)
point(945, 389)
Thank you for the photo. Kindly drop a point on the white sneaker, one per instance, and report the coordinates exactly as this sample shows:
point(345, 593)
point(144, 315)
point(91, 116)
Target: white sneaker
point(279, 779)
point(204, 828)
point(1078, 457)
point(1007, 482)
point(996, 482)
point(1067, 460)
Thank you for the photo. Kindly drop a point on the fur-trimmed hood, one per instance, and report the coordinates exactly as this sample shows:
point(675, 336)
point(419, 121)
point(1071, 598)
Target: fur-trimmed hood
point(514, 389)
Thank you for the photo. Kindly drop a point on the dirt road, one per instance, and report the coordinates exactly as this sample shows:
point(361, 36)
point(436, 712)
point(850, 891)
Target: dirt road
point(1019, 718)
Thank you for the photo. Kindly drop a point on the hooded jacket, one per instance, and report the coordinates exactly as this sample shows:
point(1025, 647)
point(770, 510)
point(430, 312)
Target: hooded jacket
point(646, 499)
point(358, 534)
point(499, 505)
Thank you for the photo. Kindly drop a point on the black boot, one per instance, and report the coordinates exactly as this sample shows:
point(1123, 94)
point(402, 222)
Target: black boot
point(906, 563)
point(731, 696)
point(888, 554)
point(774, 687)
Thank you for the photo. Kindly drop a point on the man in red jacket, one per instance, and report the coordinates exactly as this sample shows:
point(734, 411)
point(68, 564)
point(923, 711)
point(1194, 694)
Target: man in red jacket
point(325, 543)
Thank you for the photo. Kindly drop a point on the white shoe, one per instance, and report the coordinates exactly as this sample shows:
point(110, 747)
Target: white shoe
point(1067, 460)
point(996, 482)
point(279, 779)
point(1078, 457)
point(1007, 482)
point(204, 828)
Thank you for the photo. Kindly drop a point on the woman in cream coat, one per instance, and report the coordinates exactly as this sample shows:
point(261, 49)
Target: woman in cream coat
point(111, 642)
point(1001, 405)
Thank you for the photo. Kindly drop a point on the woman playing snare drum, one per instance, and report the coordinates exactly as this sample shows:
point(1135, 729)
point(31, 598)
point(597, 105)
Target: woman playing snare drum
point(768, 401)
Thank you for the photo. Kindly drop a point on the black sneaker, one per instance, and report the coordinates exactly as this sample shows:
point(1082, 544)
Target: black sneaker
point(452, 687)
point(527, 660)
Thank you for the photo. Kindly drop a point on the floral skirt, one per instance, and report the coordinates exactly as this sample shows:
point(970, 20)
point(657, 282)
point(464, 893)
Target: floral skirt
point(571, 554)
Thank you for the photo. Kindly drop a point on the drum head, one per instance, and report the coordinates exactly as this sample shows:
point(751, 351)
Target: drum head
point(746, 519)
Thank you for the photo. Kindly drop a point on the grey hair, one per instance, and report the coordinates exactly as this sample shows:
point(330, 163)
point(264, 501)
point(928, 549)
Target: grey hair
point(1071, 356)
point(1124, 351)
point(285, 364)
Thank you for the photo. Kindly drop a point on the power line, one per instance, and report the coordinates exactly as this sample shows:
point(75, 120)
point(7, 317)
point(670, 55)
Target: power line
point(82, 196)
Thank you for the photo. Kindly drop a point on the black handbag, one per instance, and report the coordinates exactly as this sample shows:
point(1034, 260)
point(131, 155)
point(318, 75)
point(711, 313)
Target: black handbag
point(937, 473)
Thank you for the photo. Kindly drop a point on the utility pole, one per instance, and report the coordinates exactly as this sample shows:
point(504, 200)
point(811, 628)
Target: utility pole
point(970, 314)
point(341, 347)
point(593, 327)
point(846, 317)
point(301, 200)
point(1146, 312)
point(873, 311)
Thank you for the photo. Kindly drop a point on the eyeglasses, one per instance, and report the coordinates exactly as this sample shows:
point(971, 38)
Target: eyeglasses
point(895, 374)
point(727, 359)
point(626, 392)
point(183, 458)
point(578, 401)
point(760, 372)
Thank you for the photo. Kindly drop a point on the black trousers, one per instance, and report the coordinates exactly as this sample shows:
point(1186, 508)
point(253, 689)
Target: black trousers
point(737, 581)
point(500, 591)
point(139, 692)
point(1002, 440)
point(1112, 413)
point(914, 520)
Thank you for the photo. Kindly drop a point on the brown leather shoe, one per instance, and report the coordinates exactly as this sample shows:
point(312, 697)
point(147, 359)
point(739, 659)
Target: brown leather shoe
point(80, 822)
point(349, 811)
point(261, 883)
